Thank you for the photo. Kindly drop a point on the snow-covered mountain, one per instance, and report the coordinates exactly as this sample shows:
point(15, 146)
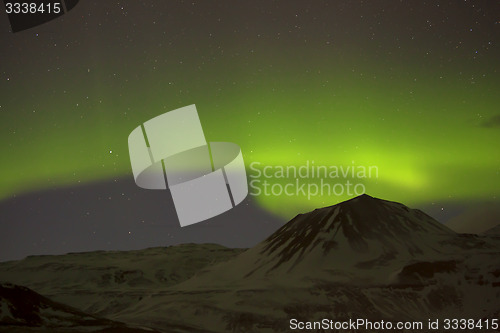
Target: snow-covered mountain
point(104, 282)
point(361, 233)
point(361, 239)
point(364, 258)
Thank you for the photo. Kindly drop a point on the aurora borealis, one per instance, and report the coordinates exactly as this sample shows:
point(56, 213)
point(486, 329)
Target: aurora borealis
point(410, 87)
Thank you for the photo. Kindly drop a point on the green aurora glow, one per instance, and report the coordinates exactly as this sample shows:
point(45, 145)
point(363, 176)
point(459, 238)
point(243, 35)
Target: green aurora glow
point(419, 119)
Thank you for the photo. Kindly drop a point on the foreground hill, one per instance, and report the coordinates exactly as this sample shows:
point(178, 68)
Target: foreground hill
point(365, 258)
point(23, 310)
point(106, 282)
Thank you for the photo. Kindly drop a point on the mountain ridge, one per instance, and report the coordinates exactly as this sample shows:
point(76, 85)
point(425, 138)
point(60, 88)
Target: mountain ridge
point(363, 258)
point(355, 235)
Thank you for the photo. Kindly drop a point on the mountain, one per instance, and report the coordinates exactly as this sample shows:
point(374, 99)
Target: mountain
point(23, 310)
point(343, 241)
point(105, 282)
point(495, 231)
point(364, 258)
point(361, 233)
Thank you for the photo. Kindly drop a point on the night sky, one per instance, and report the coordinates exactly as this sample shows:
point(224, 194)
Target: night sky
point(411, 87)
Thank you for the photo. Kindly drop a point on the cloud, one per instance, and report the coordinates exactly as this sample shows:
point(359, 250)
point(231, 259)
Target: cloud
point(476, 219)
point(492, 122)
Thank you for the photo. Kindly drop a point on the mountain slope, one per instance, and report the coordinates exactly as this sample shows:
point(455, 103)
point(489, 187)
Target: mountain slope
point(343, 241)
point(23, 310)
point(363, 258)
point(354, 232)
point(106, 282)
point(495, 231)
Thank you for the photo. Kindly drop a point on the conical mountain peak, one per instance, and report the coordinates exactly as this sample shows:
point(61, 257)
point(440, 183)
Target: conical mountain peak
point(358, 230)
